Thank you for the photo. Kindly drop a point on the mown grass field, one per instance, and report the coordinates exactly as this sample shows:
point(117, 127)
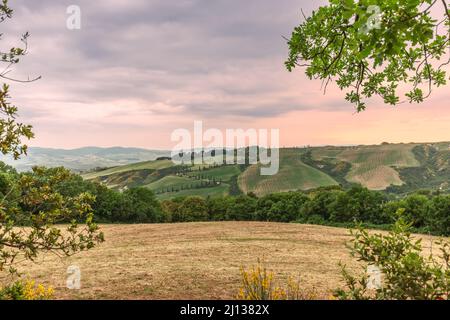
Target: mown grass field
point(293, 175)
point(198, 260)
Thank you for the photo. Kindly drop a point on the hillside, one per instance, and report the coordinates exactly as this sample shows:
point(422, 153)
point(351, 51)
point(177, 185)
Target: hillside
point(372, 166)
point(292, 175)
point(397, 168)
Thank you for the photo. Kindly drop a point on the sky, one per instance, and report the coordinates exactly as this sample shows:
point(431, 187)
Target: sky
point(139, 69)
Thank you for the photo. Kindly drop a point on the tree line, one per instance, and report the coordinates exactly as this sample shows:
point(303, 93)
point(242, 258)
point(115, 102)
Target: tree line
point(426, 211)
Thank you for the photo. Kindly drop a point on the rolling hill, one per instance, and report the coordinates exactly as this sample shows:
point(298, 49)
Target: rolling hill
point(395, 168)
point(373, 166)
point(292, 175)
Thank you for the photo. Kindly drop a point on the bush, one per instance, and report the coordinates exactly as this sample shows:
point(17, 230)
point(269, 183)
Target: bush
point(438, 216)
point(217, 208)
point(193, 209)
point(280, 207)
point(406, 273)
point(27, 290)
point(242, 208)
point(143, 205)
point(259, 284)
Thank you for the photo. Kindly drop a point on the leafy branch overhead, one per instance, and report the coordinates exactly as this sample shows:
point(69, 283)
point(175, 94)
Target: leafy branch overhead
point(11, 131)
point(32, 203)
point(385, 48)
point(32, 200)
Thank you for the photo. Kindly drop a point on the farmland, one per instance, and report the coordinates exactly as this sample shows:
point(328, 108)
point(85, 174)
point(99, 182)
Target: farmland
point(373, 166)
point(398, 167)
point(198, 260)
point(293, 175)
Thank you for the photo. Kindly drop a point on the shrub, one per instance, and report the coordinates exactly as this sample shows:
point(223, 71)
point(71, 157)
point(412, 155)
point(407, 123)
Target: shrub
point(217, 208)
point(143, 205)
point(259, 284)
point(27, 290)
point(193, 209)
point(406, 273)
point(242, 208)
point(439, 215)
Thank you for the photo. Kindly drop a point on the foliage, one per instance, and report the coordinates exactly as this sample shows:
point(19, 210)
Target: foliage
point(406, 272)
point(374, 48)
point(11, 131)
point(26, 290)
point(143, 205)
point(325, 206)
point(193, 209)
point(280, 207)
point(39, 207)
point(438, 215)
point(258, 283)
point(242, 208)
point(33, 203)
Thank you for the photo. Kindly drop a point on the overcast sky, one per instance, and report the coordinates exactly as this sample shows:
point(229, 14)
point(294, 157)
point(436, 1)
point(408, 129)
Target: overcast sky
point(139, 69)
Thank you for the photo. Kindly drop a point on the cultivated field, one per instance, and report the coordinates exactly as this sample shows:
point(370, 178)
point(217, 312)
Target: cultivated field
point(373, 166)
point(152, 165)
point(197, 260)
point(377, 167)
point(293, 175)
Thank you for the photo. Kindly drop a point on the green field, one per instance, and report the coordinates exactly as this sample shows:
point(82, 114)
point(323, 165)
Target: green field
point(169, 181)
point(293, 174)
point(406, 167)
point(224, 173)
point(218, 191)
point(153, 165)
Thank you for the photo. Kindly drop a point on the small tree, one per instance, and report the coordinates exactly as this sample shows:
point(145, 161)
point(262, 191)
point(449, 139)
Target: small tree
point(27, 223)
point(11, 131)
point(31, 205)
point(406, 272)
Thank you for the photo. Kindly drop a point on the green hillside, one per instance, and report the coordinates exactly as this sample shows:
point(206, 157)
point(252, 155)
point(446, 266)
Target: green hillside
point(151, 165)
point(395, 168)
point(372, 166)
point(293, 174)
point(221, 190)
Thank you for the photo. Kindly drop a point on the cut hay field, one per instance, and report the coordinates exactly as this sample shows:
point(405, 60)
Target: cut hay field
point(197, 260)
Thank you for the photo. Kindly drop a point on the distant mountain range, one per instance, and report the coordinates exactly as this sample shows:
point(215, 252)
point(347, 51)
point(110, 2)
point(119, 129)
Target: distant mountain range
point(83, 159)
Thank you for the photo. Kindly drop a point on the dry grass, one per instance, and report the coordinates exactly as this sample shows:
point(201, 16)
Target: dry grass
point(197, 260)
